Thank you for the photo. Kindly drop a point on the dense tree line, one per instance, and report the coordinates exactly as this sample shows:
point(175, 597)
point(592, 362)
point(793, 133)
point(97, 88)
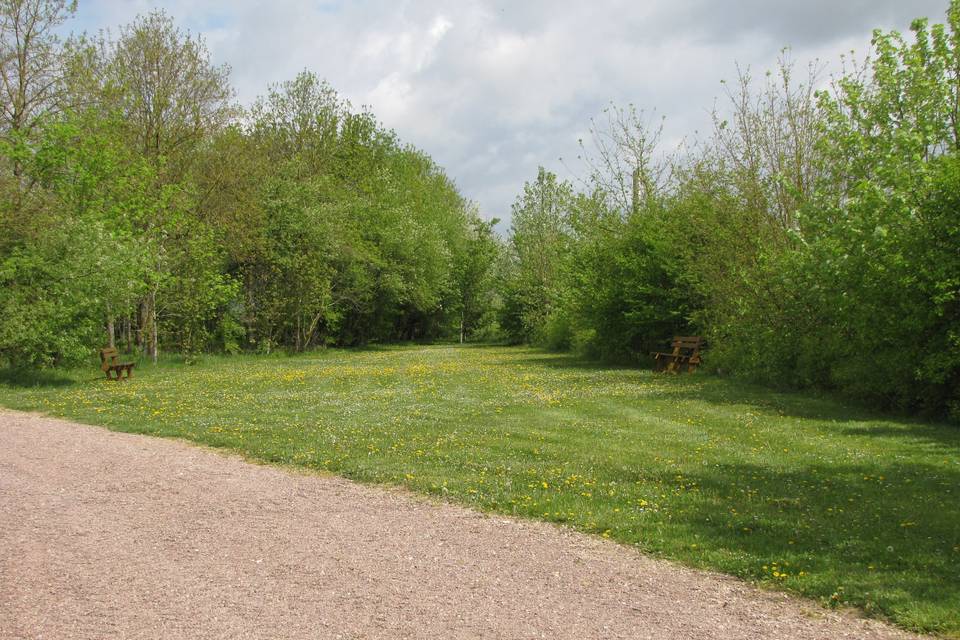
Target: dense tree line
point(814, 238)
point(141, 206)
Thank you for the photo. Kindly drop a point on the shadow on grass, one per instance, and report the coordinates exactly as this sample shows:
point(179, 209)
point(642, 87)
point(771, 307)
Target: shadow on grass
point(552, 360)
point(939, 435)
point(851, 419)
point(715, 390)
point(780, 402)
point(887, 533)
point(29, 378)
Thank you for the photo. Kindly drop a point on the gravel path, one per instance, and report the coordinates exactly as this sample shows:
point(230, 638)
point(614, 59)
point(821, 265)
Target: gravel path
point(111, 535)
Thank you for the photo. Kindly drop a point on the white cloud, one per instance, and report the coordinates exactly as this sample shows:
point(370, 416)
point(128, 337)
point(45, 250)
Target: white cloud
point(440, 27)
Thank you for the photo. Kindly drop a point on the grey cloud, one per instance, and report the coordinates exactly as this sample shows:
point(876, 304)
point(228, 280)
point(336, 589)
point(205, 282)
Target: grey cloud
point(797, 24)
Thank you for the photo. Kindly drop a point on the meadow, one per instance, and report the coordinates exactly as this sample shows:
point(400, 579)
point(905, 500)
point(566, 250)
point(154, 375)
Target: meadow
point(790, 491)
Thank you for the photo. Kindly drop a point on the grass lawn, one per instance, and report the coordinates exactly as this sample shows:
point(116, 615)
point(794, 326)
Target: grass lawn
point(787, 490)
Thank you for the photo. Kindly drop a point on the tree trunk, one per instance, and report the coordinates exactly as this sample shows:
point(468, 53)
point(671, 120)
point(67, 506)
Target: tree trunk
point(147, 331)
point(141, 326)
point(299, 332)
point(154, 344)
point(111, 334)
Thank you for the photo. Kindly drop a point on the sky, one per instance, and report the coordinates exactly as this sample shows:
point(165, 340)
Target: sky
point(493, 89)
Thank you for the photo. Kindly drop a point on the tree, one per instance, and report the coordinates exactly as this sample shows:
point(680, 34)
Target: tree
point(539, 240)
point(474, 275)
point(171, 98)
point(623, 161)
point(61, 279)
point(30, 65)
point(769, 140)
point(163, 82)
point(881, 236)
point(30, 88)
point(348, 236)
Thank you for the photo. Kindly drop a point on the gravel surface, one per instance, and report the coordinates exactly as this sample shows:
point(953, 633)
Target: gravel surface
point(112, 535)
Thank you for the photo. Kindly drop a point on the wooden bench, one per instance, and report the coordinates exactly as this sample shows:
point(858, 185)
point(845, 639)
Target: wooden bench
point(685, 355)
point(110, 362)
